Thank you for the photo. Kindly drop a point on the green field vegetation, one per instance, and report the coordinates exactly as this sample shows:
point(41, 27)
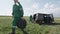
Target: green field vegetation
point(31, 28)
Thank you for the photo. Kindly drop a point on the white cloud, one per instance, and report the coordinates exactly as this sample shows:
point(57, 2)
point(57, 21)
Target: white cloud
point(35, 6)
point(47, 8)
point(56, 12)
point(52, 9)
point(46, 5)
point(30, 7)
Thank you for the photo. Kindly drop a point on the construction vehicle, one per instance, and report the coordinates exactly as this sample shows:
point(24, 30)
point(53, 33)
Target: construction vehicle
point(40, 18)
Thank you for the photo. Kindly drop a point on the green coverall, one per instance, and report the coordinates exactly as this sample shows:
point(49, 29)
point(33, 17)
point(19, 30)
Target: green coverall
point(17, 14)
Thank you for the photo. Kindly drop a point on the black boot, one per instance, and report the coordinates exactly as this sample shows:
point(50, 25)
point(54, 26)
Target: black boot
point(11, 33)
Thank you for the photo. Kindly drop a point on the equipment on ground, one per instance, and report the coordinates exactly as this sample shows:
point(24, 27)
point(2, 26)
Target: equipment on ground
point(42, 18)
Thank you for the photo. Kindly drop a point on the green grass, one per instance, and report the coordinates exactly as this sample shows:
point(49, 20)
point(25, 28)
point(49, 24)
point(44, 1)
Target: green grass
point(31, 28)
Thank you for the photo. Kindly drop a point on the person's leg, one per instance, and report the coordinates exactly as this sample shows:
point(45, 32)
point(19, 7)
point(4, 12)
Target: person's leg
point(14, 24)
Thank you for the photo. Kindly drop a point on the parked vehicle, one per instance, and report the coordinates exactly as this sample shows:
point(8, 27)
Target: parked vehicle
point(40, 18)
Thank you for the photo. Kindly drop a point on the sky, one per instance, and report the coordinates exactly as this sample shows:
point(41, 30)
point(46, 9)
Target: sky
point(31, 7)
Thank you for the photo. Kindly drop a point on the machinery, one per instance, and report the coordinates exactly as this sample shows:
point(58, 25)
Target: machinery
point(40, 18)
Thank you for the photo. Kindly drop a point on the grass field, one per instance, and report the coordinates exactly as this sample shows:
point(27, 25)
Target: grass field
point(31, 28)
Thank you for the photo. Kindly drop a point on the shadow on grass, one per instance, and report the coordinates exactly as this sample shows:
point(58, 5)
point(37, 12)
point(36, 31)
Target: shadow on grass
point(49, 24)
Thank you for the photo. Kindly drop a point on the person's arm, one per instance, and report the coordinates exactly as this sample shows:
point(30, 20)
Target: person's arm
point(19, 3)
point(21, 8)
point(13, 11)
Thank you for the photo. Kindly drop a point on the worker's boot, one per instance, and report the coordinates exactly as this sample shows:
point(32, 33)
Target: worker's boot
point(11, 33)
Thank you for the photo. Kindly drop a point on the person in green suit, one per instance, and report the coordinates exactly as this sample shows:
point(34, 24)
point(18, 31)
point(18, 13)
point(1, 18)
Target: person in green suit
point(17, 14)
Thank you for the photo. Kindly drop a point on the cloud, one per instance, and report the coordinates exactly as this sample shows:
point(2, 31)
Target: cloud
point(57, 12)
point(50, 8)
point(32, 6)
point(32, 9)
point(47, 8)
point(35, 6)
